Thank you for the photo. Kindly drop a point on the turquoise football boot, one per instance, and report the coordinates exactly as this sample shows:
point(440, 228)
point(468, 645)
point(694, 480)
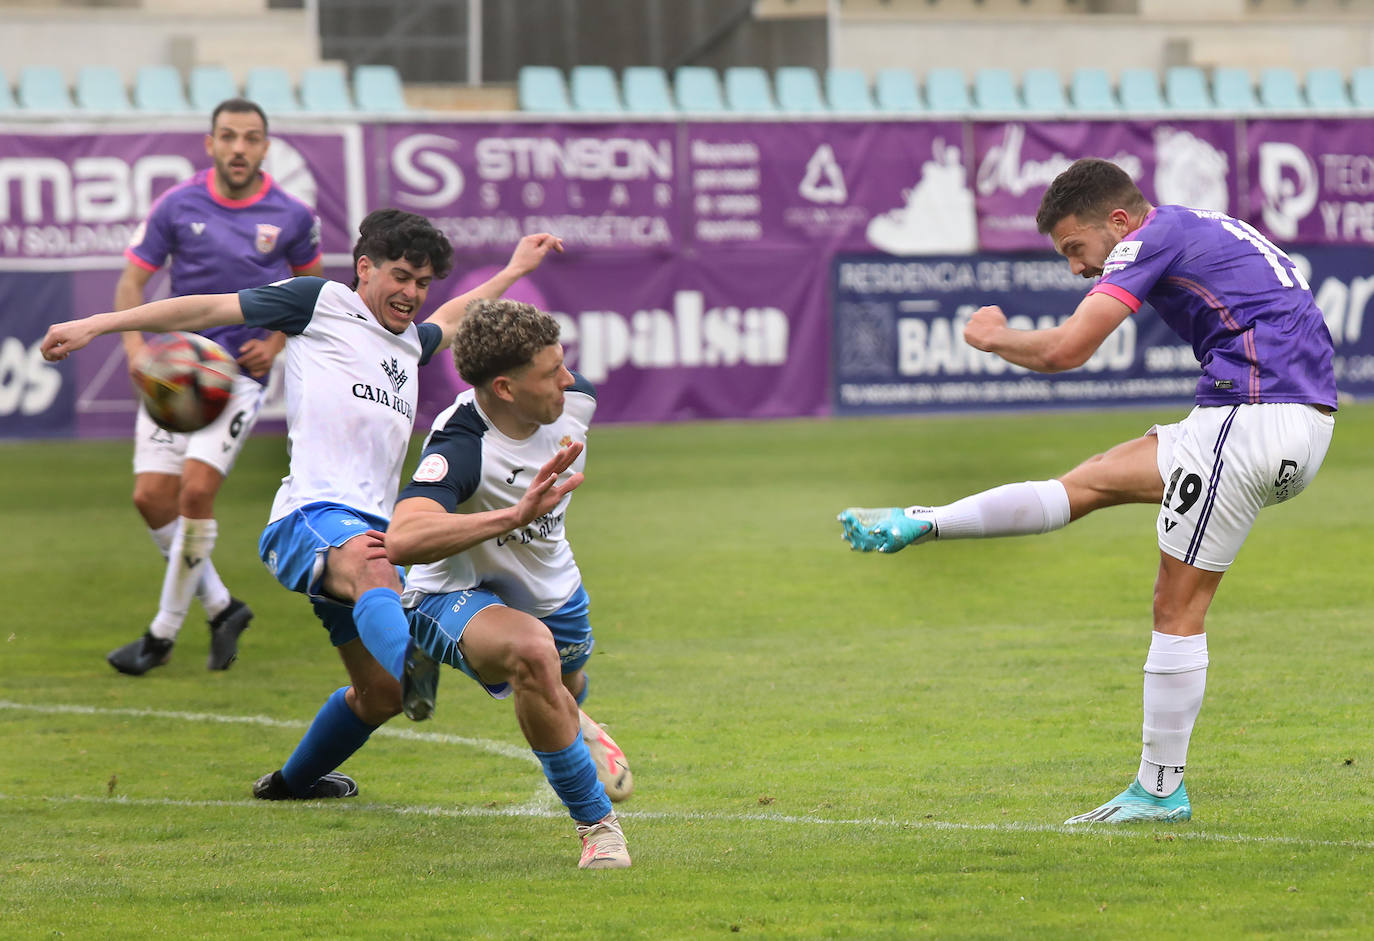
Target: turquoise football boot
point(885, 529)
point(1137, 804)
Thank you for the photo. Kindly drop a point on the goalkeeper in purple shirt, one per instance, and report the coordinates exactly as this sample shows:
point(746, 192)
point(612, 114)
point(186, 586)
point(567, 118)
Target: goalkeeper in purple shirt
point(1257, 436)
point(228, 228)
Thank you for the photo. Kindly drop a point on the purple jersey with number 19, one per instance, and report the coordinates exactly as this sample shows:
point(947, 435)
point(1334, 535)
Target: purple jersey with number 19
point(1239, 300)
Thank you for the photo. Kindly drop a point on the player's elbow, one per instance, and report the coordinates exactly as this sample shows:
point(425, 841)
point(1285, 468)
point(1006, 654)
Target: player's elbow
point(1064, 355)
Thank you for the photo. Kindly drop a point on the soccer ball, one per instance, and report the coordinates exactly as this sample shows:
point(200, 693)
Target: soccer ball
point(185, 380)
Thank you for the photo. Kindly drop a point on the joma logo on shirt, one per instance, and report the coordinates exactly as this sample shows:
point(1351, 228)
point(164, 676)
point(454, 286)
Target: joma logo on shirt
point(361, 390)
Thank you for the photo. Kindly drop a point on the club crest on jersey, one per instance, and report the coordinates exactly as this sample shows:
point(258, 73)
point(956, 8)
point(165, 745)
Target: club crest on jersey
point(432, 469)
point(564, 441)
point(267, 237)
point(395, 373)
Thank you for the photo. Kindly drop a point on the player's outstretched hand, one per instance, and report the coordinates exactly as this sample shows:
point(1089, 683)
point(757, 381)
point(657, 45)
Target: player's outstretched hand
point(544, 493)
point(983, 327)
point(530, 252)
point(63, 339)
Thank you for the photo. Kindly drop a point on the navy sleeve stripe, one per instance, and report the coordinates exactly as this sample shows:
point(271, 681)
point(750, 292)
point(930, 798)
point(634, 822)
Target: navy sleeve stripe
point(286, 306)
point(582, 384)
point(431, 335)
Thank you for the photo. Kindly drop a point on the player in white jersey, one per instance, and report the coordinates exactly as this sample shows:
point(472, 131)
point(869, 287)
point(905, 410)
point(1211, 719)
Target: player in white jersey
point(351, 359)
point(495, 591)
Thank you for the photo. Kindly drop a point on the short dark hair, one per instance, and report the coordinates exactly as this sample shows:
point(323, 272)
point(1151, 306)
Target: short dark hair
point(391, 234)
point(498, 336)
point(1089, 189)
point(237, 106)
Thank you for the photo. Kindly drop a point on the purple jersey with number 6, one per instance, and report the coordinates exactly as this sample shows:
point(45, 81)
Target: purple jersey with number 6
point(221, 246)
point(1239, 300)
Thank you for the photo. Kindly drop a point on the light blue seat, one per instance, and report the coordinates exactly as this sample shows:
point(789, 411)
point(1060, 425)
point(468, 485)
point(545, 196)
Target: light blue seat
point(540, 88)
point(269, 87)
point(1278, 90)
point(646, 91)
point(1185, 89)
point(1042, 91)
point(1090, 90)
point(100, 88)
point(799, 90)
point(947, 91)
point(325, 90)
point(1232, 90)
point(43, 88)
point(994, 90)
point(847, 91)
point(158, 88)
point(697, 88)
point(1362, 86)
point(895, 91)
point(209, 85)
point(1326, 90)
point(1138, 90)
point(378, 88)
point(747, 90)
point(593, 88)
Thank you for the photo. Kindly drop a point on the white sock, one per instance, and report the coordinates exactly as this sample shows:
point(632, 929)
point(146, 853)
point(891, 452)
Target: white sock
point(214, 596)
point(1030, 507)
point(187, 560)
point(1175, 680)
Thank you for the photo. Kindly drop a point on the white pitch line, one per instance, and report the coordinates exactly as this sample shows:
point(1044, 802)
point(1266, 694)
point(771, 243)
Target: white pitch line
point(544, 803)
point(521, 753)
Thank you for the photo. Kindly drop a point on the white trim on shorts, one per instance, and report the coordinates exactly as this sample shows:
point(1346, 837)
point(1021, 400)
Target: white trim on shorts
point(1222, 464)
point(158, 451)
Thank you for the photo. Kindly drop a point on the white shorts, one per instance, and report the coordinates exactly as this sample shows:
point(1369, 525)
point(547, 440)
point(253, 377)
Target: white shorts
point(1222, 464)
point(158, 451)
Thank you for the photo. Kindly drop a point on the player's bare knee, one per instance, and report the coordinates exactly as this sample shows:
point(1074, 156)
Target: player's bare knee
point(377, 699)
point(534, 661)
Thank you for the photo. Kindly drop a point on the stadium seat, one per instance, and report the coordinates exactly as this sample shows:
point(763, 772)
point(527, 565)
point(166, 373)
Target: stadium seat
point(646, 91)
point(1185, 89)
point(1042, 91)
point(1232, 90)
point(1278, 90)
point(847, 91)
point(540, 88)
point(895, 91)
point(747, 90)
point(1091, 90)
point(799, 90)
point(158, 88)
point(1138, 90)
point(100, 88)
point(378, 88)
point(697, 88)
point(325, 89)
point(211, 84)
point(270, 88)
point(1362, 86)
point(1326, 90)
point(994, 90)
point(43, 88)
point(947, 91)
point(593, 88)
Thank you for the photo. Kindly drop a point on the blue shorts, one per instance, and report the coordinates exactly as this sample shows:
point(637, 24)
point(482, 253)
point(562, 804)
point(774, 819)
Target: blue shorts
point(438, 622)
point(294, 548)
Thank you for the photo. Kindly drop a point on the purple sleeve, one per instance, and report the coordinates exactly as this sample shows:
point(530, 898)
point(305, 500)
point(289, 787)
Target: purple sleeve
point(304, 248)
point(152, 241)
point(1140, 261)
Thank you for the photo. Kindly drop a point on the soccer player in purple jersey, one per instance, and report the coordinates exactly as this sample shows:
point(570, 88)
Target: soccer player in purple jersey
point(1258, 434)
point(227, 228)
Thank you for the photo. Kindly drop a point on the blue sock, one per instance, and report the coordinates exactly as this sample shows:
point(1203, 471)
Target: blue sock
point(335, 734)
point(586, 685)
point(573, 776)
point(383, 628)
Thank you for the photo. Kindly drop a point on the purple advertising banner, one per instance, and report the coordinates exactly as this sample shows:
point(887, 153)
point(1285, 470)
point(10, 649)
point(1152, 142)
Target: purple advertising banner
point(77, 194)
point(710, 336)
point(1190, 163)
point(864, 186)
point(1312, 181)
point(601, 187)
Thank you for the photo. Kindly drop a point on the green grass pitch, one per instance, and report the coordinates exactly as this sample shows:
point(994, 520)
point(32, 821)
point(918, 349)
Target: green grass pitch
point(825, 744)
